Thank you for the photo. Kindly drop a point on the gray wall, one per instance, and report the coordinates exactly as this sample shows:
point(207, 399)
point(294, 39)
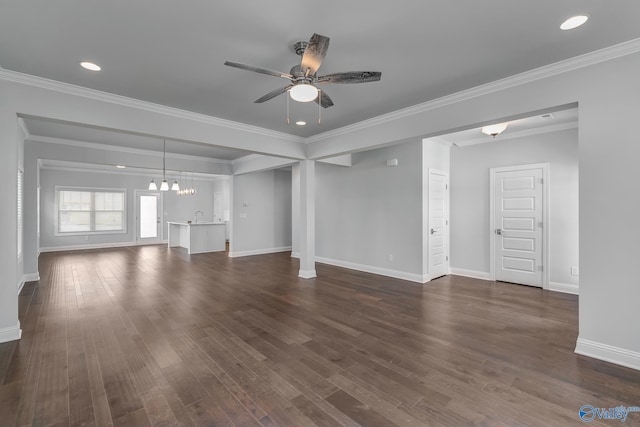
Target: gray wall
point(175, 208)
point(470, 165)
point(261, 212)
point(368, 211)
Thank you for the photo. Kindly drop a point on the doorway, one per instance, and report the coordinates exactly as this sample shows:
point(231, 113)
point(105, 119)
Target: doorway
point(519, 224)
point(148, 218)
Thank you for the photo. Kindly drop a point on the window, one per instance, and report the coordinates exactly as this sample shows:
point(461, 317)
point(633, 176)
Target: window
point(84, 211)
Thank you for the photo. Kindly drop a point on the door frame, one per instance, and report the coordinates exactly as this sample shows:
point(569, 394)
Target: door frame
point(546, 256)
point(427, 226)
point(136, 212)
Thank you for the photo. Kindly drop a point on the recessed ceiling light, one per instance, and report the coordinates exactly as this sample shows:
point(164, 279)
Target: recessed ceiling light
point(574, 22)
point(120, 166)
point(90, 66)
point(301, 123)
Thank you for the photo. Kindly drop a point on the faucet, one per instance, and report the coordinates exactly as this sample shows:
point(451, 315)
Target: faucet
point(195, 216)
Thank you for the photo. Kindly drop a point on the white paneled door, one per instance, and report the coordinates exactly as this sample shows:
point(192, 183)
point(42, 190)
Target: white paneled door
point(438, 224)
point(518, 221)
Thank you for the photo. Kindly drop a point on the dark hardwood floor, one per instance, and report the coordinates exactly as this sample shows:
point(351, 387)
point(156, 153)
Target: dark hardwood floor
point(149, 336)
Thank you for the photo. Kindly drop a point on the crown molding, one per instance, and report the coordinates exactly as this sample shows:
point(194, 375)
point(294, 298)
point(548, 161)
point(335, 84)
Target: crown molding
point(67, 166)
point(119, 149)
point(577, 62)
point(581, 61)
point(44, 83)
point(512, 135)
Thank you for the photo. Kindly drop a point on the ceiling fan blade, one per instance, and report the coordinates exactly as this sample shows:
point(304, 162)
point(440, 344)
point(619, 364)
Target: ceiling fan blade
point(314, 54)
point(273, 94)
point(351, 77)
point(324, 100)
point(259, 70)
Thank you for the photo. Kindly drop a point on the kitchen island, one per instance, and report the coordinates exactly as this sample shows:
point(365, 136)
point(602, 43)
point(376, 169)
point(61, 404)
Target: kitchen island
point(197, 237)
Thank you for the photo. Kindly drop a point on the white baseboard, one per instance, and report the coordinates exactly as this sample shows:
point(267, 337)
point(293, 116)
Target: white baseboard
point(237, 254)
point(90, 246)
point(11, 333)
point(483, 275)
point(564, 287)
point(307, 274)
point(608, 353)
point(295, 254)
point(32, 277)
point(412, 277)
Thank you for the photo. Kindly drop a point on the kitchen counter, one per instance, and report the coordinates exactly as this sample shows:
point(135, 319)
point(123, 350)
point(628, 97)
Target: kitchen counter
point(197, 237)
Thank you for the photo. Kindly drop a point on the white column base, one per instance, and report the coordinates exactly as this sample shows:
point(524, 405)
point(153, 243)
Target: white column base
point(12, 333)
point(307, 274)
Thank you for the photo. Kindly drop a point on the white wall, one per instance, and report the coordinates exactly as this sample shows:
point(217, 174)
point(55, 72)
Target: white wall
point(603, 84)
point(368, 211)
point(174, 207)
point(470, 234)
point(261, 212)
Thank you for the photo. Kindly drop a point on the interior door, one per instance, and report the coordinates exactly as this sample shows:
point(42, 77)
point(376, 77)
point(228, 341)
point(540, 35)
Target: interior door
point(438, 224)
point(518, 226)
point(147, 218)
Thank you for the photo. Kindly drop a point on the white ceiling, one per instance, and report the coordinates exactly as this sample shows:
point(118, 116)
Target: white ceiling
point(172, 52)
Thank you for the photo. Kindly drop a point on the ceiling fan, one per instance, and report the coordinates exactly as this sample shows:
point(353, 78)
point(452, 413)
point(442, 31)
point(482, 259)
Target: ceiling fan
point(303, 78)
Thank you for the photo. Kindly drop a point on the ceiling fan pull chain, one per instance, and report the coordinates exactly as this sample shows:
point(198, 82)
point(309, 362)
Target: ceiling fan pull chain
point(288, 120)
point(319, 105)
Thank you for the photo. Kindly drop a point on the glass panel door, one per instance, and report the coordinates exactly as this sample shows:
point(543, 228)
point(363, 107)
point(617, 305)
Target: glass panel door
point(148, 218)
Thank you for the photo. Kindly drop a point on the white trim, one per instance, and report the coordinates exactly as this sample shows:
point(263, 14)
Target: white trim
point(608, 353)
point(518, 134)
point(237, 254)
point(566, 288)
point(122, 149)
point(307, 274)
point(33, 277)
point(43, 83)
point(411, 277)
point(585, 60)
point(295, 254)
point(546, 208)
point(482, 275)
point(12, 333)
point(90, 246)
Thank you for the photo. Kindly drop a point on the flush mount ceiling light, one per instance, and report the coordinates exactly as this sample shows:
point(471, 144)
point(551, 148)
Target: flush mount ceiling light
point(494, 130)
point(90, 66)
point(303, 92)
point(301, 123)
point(574, 22)
point(120, 166)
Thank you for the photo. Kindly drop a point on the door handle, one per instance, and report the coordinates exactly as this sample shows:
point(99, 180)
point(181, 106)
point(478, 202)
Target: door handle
point(433, 231)
point(499, 231)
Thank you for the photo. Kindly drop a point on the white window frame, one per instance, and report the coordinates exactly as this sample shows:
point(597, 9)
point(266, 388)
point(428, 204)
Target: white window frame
point(58, 189)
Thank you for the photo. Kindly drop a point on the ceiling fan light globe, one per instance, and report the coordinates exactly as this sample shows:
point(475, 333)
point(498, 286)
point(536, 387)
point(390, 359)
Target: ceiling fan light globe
point(303, 92)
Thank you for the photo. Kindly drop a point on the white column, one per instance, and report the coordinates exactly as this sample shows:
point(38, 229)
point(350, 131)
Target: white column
point(307, 225)
point(9, 323)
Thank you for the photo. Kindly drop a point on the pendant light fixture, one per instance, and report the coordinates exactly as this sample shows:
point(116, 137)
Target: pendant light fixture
point(164, 186)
